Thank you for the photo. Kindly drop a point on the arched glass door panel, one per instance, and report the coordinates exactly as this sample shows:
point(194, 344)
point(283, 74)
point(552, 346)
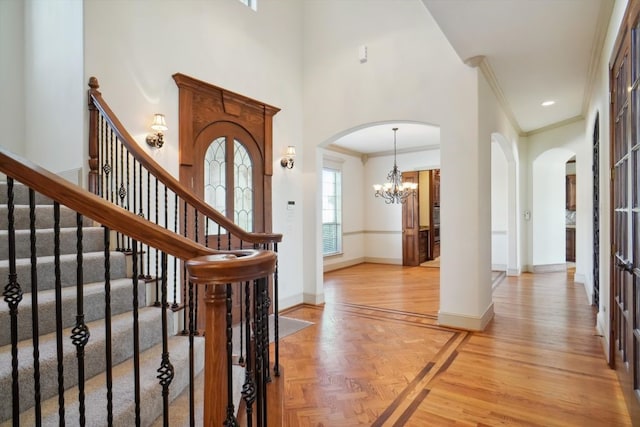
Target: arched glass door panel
point(218, 170)
point(243, 186)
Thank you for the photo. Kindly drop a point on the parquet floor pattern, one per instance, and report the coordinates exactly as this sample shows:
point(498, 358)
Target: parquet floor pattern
point(375, 356)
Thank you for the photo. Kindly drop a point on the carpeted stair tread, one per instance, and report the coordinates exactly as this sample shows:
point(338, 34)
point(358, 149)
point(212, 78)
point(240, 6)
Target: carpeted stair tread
point(44, 217)
point(92, 241)
point(94, 304)
point(21, 194)
point(123, 389)
point(122, 349)
point(93, 269)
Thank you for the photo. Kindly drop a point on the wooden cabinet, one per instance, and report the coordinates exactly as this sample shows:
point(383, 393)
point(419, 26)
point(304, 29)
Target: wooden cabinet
point(434, 213)
point(571, 244)
point(424, 245)
point(571, 192)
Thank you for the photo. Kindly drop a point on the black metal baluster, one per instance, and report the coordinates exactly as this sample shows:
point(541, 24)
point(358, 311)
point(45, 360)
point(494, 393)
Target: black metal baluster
point(110, 168)
point(219, 237)
point(137, 199)
point(157, 303)
point(257, 316)
point(136, 333)
point(231, 420)
point(58, 293)
point(264, 314)
point(127, 188)
point(184, 276)
point(265, 334)
point(276, 315)
point(241, 358)
point(197, 300)
point(80, 333)
point(249, 386)
point(148, 276)
point(35, 325)
point(107, 324)
point(12, 296)
point(165, 372)
point(116, 198)
point(174, 306)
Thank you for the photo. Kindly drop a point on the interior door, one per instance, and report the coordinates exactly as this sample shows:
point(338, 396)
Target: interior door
point(625, 210)
point(411, 224)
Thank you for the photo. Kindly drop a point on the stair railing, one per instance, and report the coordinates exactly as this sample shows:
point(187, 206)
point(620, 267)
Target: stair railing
point(204, 266)
point(124, 174)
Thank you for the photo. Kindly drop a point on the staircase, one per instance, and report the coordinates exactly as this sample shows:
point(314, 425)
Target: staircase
point(49, 325)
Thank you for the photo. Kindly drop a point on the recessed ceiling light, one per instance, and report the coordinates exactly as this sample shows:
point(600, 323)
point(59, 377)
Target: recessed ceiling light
point(548, 103)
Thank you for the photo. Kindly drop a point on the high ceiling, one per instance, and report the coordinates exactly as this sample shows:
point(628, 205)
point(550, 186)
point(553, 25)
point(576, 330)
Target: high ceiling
point(533, 50)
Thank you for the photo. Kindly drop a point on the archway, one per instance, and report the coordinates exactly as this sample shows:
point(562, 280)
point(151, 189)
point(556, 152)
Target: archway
point(548, 216)
point(372, 230)
point(504, 206)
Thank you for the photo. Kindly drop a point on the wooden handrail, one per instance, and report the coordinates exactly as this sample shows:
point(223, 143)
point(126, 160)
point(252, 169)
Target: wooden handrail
point(98, 209)
point(167, 179)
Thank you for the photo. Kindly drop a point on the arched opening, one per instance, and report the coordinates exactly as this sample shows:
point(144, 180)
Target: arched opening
point(363, 156)
point(549, 210)
point(505, 224)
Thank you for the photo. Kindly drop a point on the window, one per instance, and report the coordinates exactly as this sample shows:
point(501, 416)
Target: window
point(253, 4)
point(331, 210)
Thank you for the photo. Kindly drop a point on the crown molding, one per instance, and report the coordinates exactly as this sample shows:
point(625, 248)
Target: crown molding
point(554, 125)
point(606, 9)
point(483, 64)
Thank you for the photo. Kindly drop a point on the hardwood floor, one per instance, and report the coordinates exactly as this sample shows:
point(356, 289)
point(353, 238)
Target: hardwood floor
point(376, 356)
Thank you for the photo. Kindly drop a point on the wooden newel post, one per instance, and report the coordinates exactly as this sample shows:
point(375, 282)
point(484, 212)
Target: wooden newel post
point(216, 271)
point(215, 373)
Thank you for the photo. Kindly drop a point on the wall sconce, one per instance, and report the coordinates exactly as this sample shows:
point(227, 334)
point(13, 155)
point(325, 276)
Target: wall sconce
point(159, 125)
point(287, 160)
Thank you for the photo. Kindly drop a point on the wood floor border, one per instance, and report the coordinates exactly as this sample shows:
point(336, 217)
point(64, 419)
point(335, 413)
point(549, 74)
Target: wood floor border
point(405, 404)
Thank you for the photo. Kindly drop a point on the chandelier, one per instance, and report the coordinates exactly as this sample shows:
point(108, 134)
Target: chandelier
point(394, 190)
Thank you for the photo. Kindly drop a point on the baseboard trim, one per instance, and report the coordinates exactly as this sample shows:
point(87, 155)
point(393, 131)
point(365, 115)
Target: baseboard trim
point(373, 260)
point(580, 278)
point(343, 264)
point(549, 268)
point(499, 267)
point(461, 321)
point(514, 272)
point(285, 303)
point(315, 299)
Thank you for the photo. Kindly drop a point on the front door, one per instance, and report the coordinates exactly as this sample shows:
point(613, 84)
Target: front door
point(226, 157)
point(625, 209)
point(411, 224)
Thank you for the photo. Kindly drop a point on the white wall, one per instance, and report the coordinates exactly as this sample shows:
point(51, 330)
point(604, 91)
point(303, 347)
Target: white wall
point(12, 72)
point(499, 208)
point(134, 47)
point(413, 74)
point(548, 215)
point(549, 151)
point(55, 98)
point(495, 127)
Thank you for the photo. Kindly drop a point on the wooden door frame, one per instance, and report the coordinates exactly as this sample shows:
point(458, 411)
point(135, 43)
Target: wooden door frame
point(411, 223)
point(202, 104)
point(624, 50)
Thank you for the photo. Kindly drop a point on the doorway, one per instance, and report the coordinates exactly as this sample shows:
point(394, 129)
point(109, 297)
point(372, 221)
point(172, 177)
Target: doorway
point(421, 219)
